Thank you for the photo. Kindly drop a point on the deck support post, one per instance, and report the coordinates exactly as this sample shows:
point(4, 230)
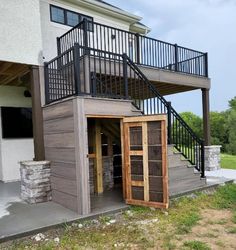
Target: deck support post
point(169, 137)
point(58, 46)
point(137, 48)
point(176, 57)
point(77, 68)
point(125, 75)
point(82, 161)
point(206, 117)
point(98, 159)
point(37, 115)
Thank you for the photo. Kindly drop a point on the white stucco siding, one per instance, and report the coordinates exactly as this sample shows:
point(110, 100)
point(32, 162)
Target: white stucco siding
point(13, 97)
point(52, 30)
point(13, 150)
point(20, 31)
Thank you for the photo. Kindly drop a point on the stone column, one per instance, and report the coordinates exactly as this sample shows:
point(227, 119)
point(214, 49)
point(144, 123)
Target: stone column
point(212, 157)
point(35, 181)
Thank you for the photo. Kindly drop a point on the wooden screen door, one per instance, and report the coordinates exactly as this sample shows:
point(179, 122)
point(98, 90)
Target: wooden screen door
point(145, 161)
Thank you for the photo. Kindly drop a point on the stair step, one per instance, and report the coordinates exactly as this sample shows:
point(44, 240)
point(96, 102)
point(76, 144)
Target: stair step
point(189, 177)
point(181, 172)
point(185, 185)
point(176, 161)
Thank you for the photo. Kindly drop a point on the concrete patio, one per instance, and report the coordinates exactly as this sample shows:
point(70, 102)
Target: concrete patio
point(18, 218)
point(221, 174)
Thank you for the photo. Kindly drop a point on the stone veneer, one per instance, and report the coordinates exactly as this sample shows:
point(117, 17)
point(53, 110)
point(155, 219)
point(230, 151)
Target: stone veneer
point(212, 157)
point(35, 181)
point(108, 181)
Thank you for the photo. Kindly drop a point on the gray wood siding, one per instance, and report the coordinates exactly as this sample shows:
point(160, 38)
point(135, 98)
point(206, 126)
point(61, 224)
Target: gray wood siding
point(59, 143)
point(65, 200)
point(66, 145)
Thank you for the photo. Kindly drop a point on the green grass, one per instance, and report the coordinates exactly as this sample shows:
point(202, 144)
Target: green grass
point(195, 245)
point(232, 230)
point(234, 217)
point(228, 161)
point(224, 198)
point(185, 223)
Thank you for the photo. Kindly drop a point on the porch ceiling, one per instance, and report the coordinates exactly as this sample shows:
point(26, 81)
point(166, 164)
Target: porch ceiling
point(170, 82)
point(169, 89)
point(14, 74)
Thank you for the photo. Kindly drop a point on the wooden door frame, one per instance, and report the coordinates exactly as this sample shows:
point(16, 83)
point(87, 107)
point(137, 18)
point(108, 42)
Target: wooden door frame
point(120, 118)
point(134, 121)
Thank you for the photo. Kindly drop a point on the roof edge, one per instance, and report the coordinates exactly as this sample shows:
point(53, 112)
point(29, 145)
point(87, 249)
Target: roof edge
point(107, 8)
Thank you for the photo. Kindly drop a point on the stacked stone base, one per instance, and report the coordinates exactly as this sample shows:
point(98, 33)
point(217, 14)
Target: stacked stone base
point(108, 180)
point(212, 157)
point(35, 181)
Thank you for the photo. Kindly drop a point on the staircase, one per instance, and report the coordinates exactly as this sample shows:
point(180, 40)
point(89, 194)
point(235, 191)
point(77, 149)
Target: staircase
point(84, 69)
point(183, 177)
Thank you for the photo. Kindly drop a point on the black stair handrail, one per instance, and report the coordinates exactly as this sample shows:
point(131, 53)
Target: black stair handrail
point(180, 134)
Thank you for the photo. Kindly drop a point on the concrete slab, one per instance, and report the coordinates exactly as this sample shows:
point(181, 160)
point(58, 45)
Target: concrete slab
point(19, 218)
point(221, 175)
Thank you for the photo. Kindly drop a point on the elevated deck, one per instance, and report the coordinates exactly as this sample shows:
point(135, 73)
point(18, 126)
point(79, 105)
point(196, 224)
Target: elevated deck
point(171, 82)
point(103, 73)
point(94, 54)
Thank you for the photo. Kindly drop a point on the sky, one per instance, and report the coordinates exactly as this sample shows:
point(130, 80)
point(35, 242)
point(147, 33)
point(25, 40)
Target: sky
point(204, 25)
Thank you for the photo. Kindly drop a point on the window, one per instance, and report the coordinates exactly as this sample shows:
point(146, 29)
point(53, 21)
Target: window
point(67, 17)
point(16, 122)
point(57, 15)
point(72, 18)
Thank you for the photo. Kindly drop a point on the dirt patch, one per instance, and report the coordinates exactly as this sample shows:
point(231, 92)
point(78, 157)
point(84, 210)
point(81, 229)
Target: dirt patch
point(213, 229)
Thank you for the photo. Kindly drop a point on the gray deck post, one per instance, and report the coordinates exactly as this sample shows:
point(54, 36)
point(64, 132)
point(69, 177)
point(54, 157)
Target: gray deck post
point(206, 116)
point(82, 162)
point(37, 115)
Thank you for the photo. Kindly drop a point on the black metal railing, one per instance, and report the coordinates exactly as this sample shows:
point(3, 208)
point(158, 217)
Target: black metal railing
point(59, 77)
point(147, 99)
point(85, 71)
point(140, 49)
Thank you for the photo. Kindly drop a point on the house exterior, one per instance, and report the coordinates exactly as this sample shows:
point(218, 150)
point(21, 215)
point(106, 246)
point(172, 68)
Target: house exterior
point(20, 51)
point(91, 75)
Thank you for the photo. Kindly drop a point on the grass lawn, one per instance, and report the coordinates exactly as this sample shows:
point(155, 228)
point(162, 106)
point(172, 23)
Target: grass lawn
point(200, 222)
point(228, 161)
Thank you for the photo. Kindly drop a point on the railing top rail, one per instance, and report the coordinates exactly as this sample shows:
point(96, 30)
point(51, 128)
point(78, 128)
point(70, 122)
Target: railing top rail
point(73, 28)
point(192, 58)
point(59, 56)
point(100, 51)
point(197, 51)
point(186, 125)
point(163, 100)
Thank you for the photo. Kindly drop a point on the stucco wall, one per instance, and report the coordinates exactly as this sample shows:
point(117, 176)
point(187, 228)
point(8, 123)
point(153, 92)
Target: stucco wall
point(20, 32)
point(51, 30)
point(13, 150)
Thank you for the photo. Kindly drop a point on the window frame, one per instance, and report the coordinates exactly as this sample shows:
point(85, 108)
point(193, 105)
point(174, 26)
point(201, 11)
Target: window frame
point(51, 18)
point(65, 11)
